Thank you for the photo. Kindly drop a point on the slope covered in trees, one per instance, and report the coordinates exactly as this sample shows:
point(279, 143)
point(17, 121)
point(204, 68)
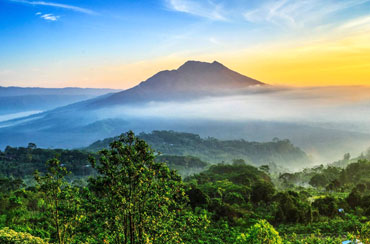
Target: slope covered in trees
point(281, 152)
point(21, 162)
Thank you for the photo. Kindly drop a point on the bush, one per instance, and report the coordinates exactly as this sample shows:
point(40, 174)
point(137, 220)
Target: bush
point(10, 236)
point(365, 232)
point(260, 233)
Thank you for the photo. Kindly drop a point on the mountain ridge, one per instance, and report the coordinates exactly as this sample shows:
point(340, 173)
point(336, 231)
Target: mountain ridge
point(15, 99)
point(30, 91)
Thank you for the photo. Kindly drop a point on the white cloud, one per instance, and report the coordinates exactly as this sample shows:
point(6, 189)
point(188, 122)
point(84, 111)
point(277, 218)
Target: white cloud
point(38, 13)
point(57, 5)
point(298, 13)
point(50, 17)
point(214, 40)
point(358, 23)
point(206, 9)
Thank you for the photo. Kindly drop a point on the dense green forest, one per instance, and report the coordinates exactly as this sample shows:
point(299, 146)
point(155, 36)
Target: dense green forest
point(212, 150)
point(21, 162)
point(129, 193)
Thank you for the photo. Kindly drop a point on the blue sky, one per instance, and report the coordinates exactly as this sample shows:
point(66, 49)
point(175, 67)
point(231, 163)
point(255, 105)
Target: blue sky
point(104, 43)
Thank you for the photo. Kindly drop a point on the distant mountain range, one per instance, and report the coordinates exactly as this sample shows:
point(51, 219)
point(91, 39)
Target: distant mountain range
point(67, 91)
point(21, 99)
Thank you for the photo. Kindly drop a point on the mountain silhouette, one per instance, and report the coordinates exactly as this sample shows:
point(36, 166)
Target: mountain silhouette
point(193, 79)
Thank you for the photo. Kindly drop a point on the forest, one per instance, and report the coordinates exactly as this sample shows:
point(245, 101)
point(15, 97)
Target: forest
point(123, 190)
point(213, 150)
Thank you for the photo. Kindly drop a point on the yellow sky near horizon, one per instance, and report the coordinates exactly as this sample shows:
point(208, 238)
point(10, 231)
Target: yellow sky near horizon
point(336, 61)
point(329, 62)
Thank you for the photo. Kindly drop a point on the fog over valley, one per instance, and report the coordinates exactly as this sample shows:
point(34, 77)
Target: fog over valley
point(325, 122)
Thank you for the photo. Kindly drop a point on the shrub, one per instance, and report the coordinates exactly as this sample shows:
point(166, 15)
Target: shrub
point(260, 233)
point(365, 232)
point(10, 236)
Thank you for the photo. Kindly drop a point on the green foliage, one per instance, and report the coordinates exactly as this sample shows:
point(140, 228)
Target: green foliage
point(356, 173)
point(9, 236)
point(291, 208)
point(316, 238)
point(184, 165)
point(21, 162)
point(260, 233)
point(262, 192)
point(365, 232)
point(228, 191)
point(327, 206)
point(215, 151)
point(131, 197)
point(318, 176)
point(354, 198)
point(61, 201)
point(139, 200)
point(319, 180)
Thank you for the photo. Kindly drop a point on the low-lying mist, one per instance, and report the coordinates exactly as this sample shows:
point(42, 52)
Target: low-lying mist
point(326, 122)
point(341, 107)
point(6, 117)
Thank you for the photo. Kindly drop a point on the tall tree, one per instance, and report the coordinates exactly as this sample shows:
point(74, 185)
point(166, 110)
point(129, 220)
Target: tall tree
point(140, 200)
point(61, 199)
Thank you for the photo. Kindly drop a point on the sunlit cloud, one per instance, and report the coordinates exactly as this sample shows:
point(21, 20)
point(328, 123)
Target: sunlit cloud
point(356, 24)
point(49, 17)
point(57, 5)
point(205, 9)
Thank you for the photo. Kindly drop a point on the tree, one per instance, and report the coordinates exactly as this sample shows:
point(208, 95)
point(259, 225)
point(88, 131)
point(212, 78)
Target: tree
point(140, 200)
point(31, 145)
point(262, 191)
point(347, 156)
point(291, 208)
point(61, 200)
point(260, 233)
point(318, 180)
point(197, 197)
point(238, 162)
point(334, 185)
point(265, 168)
point(354, 198)
point(361, 187)
point(327, 206)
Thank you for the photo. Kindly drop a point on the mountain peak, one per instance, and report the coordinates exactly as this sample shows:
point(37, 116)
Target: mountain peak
point(193, 79)
point(193, 65)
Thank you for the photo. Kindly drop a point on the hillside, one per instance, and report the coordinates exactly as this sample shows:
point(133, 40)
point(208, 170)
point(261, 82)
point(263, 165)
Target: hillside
point(212, 150)
point(22, 162)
